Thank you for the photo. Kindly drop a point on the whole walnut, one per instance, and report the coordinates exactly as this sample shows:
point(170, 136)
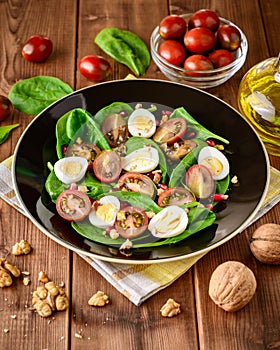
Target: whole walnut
point(232, 285)
point(265, 243)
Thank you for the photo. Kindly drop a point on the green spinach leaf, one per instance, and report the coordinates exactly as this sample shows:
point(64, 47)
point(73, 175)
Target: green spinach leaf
point(34, 94)
point(5, 131)
point(114, 108)
point(125, 47)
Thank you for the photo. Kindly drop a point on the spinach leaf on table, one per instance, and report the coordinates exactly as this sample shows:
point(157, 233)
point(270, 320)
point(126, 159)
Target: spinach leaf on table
point(5, 131)
point(125, 47)
point(34, 94)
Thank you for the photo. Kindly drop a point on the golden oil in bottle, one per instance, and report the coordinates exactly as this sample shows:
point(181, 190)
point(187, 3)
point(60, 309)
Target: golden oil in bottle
point(259, 101)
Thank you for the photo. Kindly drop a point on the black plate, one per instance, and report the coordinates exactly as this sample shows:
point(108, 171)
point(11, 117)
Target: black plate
point(248, 161)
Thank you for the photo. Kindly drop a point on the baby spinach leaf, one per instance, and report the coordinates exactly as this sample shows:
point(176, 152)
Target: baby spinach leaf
point(54, 186)
point(95, 187)
point(114, 108)
point(201, 131)
point(34, 94)
point(5, 131)
point(125, 47)
point(222, 185)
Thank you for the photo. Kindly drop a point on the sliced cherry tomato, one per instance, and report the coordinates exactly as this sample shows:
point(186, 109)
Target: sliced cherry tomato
point(172, 27)
point(170, 131)
point(73, 205)
point(115, 129)
point(172, 51)
point(133, 223)
point(199, 40)
point(179, 149)
point(204, 18)
point(197, 62)
point(136, 182)
point(220, 58)
point(199, 180)
point(87, 150)
point(175, 196)
point(107, 166)
point(6, 108)
point(94, 68)
point(229, 37)
point(37, 48)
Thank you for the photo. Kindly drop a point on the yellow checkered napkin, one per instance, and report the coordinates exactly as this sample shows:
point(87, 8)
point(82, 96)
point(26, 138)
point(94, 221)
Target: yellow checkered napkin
point(137, 282)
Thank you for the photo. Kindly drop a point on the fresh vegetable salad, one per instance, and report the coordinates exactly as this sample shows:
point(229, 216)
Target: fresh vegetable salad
point(137, 175)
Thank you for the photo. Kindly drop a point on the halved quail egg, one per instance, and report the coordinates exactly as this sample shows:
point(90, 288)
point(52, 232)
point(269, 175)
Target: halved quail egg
point(142, 123)
point(215, 161)
point(104, 215)
point(70, 169)
point(142, 160)
point(169, 222)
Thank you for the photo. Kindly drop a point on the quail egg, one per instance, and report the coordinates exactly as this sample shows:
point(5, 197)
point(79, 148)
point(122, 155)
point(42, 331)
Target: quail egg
point(142, 160)
point(215, 161)
point(70, 169)
point(142, 123)
point(105, 213)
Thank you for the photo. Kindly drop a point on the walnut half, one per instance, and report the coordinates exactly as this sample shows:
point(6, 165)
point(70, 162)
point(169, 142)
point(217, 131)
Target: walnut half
point(170, 308)
point(22, 247)
point(99, 299)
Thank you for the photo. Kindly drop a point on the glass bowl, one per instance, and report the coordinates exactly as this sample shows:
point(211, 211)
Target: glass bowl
point(210, 78)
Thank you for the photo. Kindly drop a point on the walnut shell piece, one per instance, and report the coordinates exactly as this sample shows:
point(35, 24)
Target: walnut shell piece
point(232, 285)
point(265, 243)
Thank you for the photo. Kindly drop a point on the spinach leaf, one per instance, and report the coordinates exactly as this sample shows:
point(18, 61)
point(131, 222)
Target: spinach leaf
point(135, 142)
point(222, 185)
point(201, 131)
point(5, 131)
point(125, 47)
point(54, 186)
point(114, 108)
point(33, 95)
point(96, 188)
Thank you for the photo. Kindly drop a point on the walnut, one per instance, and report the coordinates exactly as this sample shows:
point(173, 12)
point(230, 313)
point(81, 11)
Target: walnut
point(22, 247)
point(170, 308)
point(5, 278)
point(43, 308)
point(52, 288)
point(7, 272)
point(61, 302)
point(43, 277)
point(99, 299)
point(265, 243)
point(15, 271)
point(232, 285)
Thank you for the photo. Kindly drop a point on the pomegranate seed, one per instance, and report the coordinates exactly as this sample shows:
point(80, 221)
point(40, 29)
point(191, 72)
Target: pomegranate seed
point(162, 186)
point(123, 205)
point(123, 113)
point(190, 134)
point(64, 149)
point(209, 206)
point(166, 112)
point(210, 142)
point(109, 229)
point(219, 197)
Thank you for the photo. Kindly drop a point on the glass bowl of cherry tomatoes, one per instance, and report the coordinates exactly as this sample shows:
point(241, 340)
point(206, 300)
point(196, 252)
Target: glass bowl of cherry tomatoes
point(199, 49)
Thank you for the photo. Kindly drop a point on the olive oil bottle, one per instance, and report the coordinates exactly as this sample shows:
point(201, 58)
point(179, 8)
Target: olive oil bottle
point(259, 101)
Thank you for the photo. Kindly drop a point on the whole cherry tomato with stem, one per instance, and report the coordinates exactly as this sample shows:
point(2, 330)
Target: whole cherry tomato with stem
point(37, 48)
point(6, 108)
point(95, 68)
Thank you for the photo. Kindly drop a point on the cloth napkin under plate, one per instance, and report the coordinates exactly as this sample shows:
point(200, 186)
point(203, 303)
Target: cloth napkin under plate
point(141, 281)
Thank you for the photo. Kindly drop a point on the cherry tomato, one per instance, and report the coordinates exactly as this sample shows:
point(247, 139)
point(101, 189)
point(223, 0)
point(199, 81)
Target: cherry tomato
point(172, 27)
point(179, 149)
point(135, 182)
point(220, 58)
point(115, 129)
point(197, 62)
point(172, 51)
point(94, 68)
point(170, 131)
point(229, 37)
point(200, 181)
point(204, 18)
point(175, 196)
point(134, 223)
point(6, 108)
point(87, 150)
point(73, 205)
point(107, 166)
point(37, 48)
point(199, 40)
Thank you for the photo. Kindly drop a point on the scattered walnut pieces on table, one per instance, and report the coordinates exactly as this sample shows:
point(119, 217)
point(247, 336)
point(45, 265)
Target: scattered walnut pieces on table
point(7, 272)
point(170, 309)
point(232, 285)
point(99, 299)
point(21, 248)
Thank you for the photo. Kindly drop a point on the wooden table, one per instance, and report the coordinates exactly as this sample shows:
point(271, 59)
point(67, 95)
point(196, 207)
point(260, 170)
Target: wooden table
point(72, 26)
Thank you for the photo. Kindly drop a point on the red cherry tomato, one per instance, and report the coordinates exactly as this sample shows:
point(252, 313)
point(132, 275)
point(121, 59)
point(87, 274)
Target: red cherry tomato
point(197, 62)
point(172, 27)
point(6, 108)
point(229, 37)
point(170, 131)
point(73, 205)
point(115, 129)
point(107, 166)
point(180, 149)
point(134, 224)
point(94, 68)
point(135, 182)
point(199, 40)
point(37, 48)
point(175, 196)
point(172, 51)
point(200, 181)
point(204, 18)
point(220, 58)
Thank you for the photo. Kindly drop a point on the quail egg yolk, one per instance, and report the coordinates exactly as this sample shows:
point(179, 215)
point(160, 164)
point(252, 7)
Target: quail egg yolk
point(213, 164)
point(71, 169)
point(106, 212)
